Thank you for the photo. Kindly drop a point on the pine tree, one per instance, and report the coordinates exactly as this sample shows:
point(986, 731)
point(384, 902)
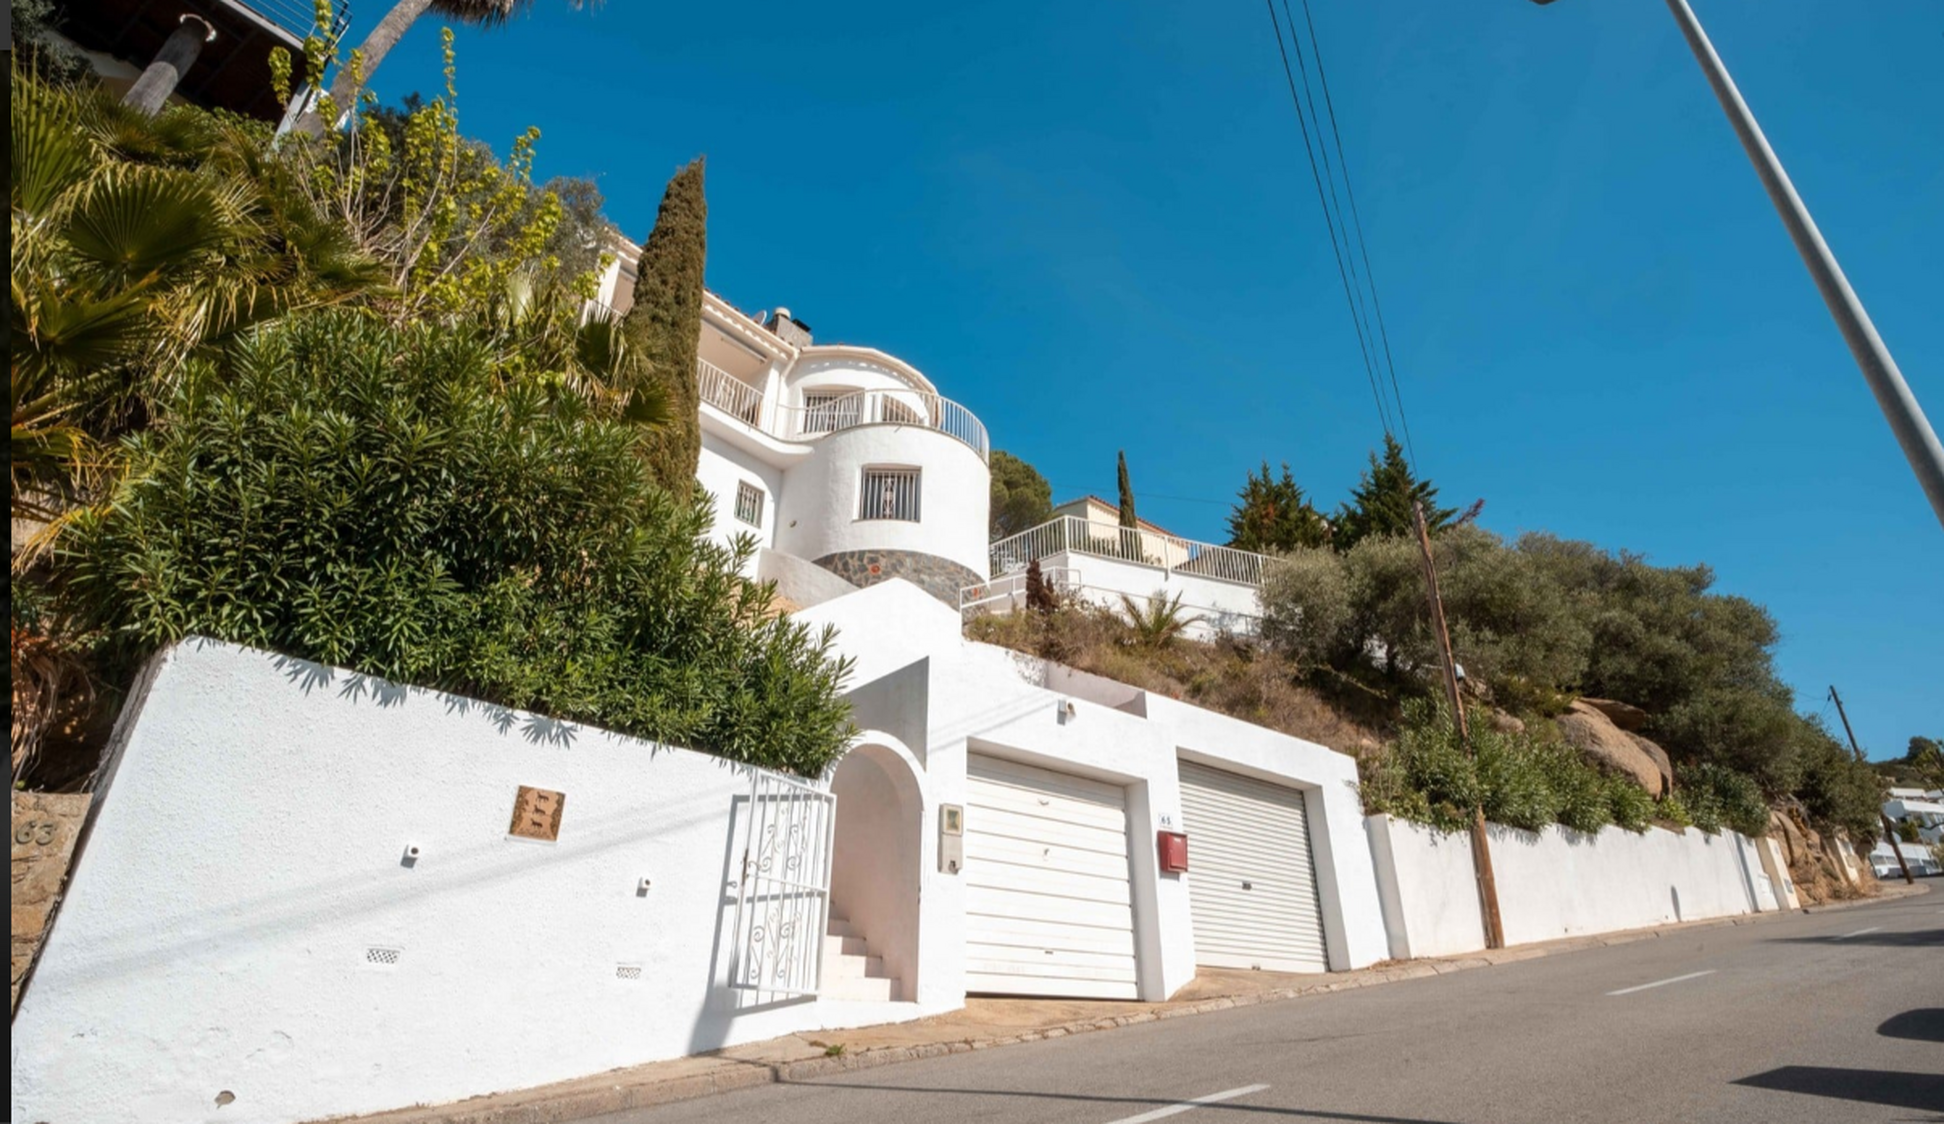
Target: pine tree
point(665, 322)
point(1021, 497)
point(1127, 517)
point(1273, 515)
point(1381, 503)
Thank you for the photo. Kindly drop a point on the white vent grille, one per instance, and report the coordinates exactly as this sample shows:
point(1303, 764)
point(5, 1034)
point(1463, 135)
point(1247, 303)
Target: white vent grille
point(627, 971)
point(889, 493)
point(383, 957)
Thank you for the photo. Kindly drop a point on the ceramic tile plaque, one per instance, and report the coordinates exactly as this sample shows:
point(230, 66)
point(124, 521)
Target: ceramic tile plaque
point(536, 813)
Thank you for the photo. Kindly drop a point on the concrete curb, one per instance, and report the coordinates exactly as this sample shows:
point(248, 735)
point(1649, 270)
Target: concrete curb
point(616, 1092)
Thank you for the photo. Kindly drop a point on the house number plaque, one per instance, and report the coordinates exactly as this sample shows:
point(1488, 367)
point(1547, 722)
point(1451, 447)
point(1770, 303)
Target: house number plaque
point(536, 813)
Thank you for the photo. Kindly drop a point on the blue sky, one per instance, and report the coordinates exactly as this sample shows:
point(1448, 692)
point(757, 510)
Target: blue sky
point(1094, 225)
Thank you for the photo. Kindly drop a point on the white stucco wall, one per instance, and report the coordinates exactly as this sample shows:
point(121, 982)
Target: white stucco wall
point(818, 516)
point(719, 469)
point(1559, 883)
point(248, 851)
point(1219, 606)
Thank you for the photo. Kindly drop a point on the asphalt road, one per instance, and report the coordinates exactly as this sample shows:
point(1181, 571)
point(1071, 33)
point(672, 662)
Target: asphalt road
point(1815, 1017)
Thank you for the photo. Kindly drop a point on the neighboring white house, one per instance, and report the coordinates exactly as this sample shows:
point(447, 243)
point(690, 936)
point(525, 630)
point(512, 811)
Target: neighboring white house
point(1924, 808)
point(1085, 552)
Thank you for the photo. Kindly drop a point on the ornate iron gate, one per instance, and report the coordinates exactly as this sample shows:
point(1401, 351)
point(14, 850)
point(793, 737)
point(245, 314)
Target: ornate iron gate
point(783, 900)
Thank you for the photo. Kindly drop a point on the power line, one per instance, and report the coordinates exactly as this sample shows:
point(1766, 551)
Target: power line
point(1333, 212)
point(1343, 162)
point(1316, 176)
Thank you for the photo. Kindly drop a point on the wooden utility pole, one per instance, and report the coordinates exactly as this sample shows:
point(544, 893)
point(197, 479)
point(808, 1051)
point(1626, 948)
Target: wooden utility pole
point(1488, 903)
point(1889, 829)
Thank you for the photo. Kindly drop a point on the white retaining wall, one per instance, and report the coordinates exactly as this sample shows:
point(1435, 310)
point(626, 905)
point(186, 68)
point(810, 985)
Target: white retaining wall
point(249, 850)
point(1557, 883)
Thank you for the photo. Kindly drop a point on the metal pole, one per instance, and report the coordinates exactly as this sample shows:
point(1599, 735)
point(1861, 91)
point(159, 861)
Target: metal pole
point(1900, 408)
point(1481, 843)
point(1889, 829)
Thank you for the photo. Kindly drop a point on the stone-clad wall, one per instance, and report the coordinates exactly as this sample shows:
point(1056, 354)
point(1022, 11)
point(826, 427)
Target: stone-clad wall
point(44, 829)
point(940, 577)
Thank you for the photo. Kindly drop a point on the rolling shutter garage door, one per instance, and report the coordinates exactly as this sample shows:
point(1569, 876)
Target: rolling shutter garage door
point(1251, 884)
point(1048, 909)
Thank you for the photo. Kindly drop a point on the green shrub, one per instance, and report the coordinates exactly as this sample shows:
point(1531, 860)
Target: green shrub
point(1514, 775)
point(369, 497)
point(1629, 804)
point(1672, 809)
point(1580, 789)
point(1719, 797)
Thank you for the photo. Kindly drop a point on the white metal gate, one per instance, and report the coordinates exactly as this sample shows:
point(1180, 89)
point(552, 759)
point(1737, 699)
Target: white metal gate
point(783, 899)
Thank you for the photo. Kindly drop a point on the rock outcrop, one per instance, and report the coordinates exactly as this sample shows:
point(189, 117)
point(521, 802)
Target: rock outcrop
point(1588, 729)
point(1624, 715)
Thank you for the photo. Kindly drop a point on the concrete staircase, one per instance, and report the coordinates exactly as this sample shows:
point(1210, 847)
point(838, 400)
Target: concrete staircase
point(850, 972)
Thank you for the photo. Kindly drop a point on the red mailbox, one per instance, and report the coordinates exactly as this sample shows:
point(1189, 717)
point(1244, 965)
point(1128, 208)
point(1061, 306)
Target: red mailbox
point(1173, 846)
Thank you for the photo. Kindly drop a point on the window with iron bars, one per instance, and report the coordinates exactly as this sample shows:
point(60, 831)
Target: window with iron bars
point(889, 493)
point(749, 503)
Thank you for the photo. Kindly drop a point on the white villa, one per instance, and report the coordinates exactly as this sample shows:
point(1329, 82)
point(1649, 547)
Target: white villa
point(845, 460)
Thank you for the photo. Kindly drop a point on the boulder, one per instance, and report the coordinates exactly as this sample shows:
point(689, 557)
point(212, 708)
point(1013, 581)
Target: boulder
point(1506, 723)
point(1624, 715)
point(1660, 757)
point(1595, 736)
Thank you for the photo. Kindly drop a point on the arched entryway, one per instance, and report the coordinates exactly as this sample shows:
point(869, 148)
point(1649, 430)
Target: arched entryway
point(872, 951)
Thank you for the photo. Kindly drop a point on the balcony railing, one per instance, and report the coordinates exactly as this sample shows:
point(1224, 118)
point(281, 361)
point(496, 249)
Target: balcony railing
point(730, 394)
point(300, 18)
point(825, 416)
point(1128, 544)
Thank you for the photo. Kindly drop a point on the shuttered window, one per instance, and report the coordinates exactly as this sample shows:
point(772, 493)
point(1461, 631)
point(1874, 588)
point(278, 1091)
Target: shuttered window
point(749, 503)
point(889, 493)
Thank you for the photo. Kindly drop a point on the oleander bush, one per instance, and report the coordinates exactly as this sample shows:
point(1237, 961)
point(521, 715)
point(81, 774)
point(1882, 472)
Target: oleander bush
point(370, 496)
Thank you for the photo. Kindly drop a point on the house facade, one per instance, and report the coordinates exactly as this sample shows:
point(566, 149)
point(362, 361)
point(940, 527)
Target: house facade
point(835, 455)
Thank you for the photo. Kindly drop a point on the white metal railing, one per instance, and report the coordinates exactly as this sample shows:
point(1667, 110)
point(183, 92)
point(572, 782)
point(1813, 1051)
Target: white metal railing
point(783, 891)
point(820, 415)
point(1128, 544)
point(729, 394)
point(1008, 591)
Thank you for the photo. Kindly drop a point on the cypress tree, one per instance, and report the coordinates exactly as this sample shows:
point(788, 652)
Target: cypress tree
point(1127, 518)
point(664, 324)
point(1274, 515)
point(1381, 503)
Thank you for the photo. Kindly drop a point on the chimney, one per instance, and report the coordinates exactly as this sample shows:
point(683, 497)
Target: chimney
point(788, 328)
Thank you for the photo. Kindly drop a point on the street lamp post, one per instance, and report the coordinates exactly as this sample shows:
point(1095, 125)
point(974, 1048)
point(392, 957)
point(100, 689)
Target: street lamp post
point(1913, 430)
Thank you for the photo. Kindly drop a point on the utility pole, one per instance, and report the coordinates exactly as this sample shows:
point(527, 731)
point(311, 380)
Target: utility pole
point(1889, 829)
point(1488, 904)
point(1907, 421)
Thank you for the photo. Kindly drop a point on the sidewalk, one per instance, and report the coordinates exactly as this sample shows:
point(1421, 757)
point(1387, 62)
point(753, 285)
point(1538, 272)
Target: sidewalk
point(983, 1024)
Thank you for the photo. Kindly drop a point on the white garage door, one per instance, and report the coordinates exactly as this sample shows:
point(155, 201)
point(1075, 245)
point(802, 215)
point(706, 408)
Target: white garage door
point(1251, 883)
point(1047, 906)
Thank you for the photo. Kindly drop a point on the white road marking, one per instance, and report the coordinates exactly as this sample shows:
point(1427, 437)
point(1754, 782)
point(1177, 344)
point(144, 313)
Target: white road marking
point(1860, 932)
point(1662, 983)
point(1189, 1106)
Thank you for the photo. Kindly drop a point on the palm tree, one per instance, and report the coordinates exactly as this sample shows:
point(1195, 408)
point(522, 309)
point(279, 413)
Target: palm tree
point(123, 267)
point(382, 38)
point(1156, 622)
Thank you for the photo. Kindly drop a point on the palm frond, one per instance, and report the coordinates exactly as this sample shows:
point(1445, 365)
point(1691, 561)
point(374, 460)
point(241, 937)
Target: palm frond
point(50, 151)
point(139, 222)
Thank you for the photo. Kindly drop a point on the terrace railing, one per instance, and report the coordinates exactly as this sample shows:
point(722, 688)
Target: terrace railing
point(1128, 544)
point(729, 394)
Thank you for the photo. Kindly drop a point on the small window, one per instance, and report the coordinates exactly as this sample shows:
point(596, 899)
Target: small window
point(889, 493)
point(749, 503)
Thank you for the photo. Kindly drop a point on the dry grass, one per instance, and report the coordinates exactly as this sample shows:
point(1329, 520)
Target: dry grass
point(1230, 677)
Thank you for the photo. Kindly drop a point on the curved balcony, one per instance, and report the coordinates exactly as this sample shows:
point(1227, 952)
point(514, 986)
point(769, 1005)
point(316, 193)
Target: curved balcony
point(746, 403)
